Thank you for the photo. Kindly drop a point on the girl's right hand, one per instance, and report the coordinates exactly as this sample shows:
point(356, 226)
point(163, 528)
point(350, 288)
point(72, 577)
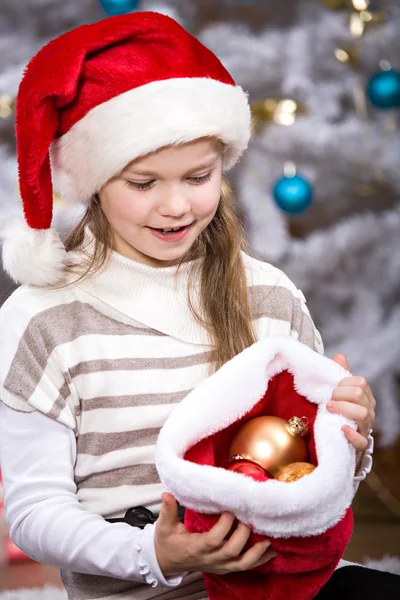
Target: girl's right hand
point(179, 550)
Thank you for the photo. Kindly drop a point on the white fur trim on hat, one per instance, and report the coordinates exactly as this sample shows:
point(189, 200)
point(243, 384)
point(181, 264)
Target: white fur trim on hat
point(32, 256)
point(143, 120)
point(308, 506)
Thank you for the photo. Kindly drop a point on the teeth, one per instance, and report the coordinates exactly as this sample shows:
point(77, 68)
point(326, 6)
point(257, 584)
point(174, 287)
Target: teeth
point(167, 230)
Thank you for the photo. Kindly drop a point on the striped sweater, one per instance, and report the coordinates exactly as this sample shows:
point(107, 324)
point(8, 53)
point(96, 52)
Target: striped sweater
point(111, 356)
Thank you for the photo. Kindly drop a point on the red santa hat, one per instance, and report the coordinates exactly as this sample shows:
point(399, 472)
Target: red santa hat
point(96, 98)
point(309, 520)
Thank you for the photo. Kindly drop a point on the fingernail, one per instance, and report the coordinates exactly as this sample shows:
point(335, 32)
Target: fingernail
point(266, 545)
point(330, 404)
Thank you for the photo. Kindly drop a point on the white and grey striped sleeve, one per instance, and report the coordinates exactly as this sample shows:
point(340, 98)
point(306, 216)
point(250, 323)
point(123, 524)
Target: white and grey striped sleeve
point(280, 308)
point(44, 516)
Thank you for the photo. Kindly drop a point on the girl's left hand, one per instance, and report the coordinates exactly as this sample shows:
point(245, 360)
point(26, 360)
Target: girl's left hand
point(353, 399)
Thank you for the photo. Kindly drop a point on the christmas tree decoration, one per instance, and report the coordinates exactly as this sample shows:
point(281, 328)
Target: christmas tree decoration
point(270, 442)
point(248, 468)
point(7, 105)
point(294, 471)
point(119, 7)
point(360, 21)
point(335, 4)
point(383, 89)
point(293, 193)
point(360, 4)
point(282, 111)
point(348, 56)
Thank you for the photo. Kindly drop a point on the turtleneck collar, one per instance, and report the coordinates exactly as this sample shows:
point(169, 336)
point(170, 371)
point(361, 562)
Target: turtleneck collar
point(154, 296)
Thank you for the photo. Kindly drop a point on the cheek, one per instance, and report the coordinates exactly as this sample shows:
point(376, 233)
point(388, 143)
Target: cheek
point(125, 208)
point(207, 200)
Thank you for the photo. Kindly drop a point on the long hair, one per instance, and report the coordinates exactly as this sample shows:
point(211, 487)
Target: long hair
point(224, 299)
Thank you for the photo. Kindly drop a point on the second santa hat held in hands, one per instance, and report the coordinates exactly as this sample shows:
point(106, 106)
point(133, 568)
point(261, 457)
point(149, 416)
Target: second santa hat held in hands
point(309, 519)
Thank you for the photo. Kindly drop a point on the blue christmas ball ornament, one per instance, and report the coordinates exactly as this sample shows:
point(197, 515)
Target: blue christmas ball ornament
point(293, 194)
point(119, 7)
point(383, 89)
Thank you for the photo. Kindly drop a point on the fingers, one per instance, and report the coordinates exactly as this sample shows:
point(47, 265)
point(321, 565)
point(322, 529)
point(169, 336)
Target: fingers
point(362, 384)
point(169, 512)
point(353, 399)
point(351, 393)
point(342, 361)
point(356, 439)
point(255, 556)
point(356, 412)
point(213, 539)
point(233, 547)
point(267, 556)
point(230, 555)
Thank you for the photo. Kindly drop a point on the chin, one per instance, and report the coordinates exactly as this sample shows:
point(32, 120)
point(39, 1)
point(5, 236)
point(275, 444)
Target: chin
point(161, 259)
point(170, 260)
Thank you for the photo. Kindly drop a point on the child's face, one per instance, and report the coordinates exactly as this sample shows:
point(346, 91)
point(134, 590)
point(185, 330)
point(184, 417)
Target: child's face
point(182, 186)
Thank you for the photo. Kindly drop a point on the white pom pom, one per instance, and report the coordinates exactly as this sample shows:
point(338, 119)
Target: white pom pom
point(32, 256)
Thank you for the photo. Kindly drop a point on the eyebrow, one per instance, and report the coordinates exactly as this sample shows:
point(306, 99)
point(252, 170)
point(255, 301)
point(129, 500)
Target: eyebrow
point(209, 163)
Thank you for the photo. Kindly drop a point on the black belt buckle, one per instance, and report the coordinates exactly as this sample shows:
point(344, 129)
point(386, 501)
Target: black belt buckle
point(140, 516)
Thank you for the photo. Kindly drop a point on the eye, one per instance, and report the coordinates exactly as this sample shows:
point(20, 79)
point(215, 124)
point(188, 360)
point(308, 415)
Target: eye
point(201, 179)
point(146, 185)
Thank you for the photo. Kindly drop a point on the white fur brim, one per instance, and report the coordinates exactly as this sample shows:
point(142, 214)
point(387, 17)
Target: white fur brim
point(143, 120)
point(306, 507)
point(31, 256)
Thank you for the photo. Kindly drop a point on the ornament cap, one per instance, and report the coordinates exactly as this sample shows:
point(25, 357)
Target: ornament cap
point(289, 168)
point(298, 426)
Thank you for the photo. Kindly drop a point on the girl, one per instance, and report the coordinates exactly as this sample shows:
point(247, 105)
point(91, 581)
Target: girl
point(151, 292)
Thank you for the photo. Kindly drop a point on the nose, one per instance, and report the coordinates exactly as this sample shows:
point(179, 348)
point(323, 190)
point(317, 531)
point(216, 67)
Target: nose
point(175, 202)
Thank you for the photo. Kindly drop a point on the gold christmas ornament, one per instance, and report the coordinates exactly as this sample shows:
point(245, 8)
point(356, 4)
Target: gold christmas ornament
point(360, 21)
point(294, 471)
point(348, 56)
point(282, 111)
point(373, 18)
point(356, 25)
point(335, 4)
point(271, 442)
point(7, 105)
point(360, 4)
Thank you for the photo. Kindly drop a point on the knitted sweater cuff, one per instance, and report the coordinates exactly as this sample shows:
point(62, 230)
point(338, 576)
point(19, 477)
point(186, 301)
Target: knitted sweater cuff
point(148, 562)
point(366, 461)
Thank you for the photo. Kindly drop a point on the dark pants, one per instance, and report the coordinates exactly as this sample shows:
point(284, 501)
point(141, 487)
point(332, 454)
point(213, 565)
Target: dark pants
point(360, 583)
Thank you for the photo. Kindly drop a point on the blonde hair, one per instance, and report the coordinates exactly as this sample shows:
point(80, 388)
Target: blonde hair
point(224, 298)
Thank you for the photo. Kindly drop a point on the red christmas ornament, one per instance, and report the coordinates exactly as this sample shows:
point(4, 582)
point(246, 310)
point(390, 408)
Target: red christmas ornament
point(248, 468)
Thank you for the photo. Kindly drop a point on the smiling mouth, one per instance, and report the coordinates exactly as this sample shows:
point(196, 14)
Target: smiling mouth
point(171, 229)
